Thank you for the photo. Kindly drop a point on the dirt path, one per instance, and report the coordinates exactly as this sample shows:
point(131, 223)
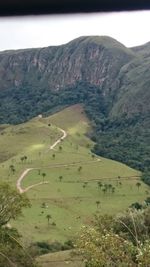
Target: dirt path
point(57, 165)
point(18, 184)
point(60, 139)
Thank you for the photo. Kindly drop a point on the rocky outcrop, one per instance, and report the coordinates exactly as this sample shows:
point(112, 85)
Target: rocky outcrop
point(96, 60)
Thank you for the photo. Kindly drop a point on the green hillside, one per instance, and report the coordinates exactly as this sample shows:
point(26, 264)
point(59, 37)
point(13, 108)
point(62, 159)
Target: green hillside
point(76, 183)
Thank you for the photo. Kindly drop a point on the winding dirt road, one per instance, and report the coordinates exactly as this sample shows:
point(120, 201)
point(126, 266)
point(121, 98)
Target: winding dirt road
point(18, 184)
point(60, 139)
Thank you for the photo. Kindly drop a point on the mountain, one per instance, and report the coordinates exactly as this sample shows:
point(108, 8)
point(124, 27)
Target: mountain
point(58, 67)
point(111, 80)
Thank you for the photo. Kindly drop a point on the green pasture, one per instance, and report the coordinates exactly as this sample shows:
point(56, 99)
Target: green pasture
point(72, 193)
point(61, 259)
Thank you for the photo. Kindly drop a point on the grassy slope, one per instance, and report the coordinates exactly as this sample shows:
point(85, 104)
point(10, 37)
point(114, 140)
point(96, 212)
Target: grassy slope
point(68, 202)
point(60, 259)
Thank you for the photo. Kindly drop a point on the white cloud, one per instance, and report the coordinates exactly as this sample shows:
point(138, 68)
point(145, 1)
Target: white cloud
point(130, 28)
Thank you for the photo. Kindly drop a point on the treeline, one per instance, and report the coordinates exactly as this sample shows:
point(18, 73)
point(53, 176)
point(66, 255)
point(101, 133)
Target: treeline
point(20, 104)
point(124, 140)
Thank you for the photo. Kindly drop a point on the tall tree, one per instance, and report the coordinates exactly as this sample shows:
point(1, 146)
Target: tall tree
point(97, 203)
point(60, 178)
point(138, 184)
point(48, 216)
point(43, 175)
point(11, 203)
point(12, 252)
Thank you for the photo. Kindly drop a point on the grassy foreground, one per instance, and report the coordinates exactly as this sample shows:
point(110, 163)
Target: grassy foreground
point(73, 192)
point(61, 259)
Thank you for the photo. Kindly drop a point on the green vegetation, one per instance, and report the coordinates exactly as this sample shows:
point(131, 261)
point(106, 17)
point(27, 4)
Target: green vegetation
point(61, 259)
point(74, 180)
point(146, 177)
point(112, 83)
point(76, 183)
point(12, 252)
point(121, 240)
point(121, 138)
point(125, 140)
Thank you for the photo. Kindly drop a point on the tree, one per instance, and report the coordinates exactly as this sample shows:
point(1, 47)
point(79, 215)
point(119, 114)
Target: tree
point(147, 201)
point(97, 203)
point(104, 249)
point(120, 184)
point(136, 206)
point(104, 190)
point(99, 184)
point(138, 184)
point(146, 177)
point(53, 156)
point(43, 175)
point(48, 216)
point(80, 168)
point(85, 183)
point(121, 240)
point(12, 252)
point(22, 159)
point(12, 168)
point(93, 156)
point(109, 187)
point(60, 148)
point(60, 178)
point(43, 205)
point(25, 158)
point(11, 203)
point(113, 190)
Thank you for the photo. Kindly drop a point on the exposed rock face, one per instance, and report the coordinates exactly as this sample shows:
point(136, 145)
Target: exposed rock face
point(122, 74)
point(96, 60)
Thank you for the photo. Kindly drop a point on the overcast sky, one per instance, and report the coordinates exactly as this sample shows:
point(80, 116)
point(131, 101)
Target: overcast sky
point(130, 28)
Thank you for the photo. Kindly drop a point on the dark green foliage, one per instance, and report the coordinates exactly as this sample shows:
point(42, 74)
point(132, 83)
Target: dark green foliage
point(21, 104)
point(146, 176)
point(136, 206)
point(126, 140)
point(45, 247)
point(11, 204)
point(12, 252)
point(147, 201)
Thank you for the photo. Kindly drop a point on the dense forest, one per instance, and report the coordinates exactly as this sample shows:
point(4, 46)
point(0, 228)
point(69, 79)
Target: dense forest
point(124, 139)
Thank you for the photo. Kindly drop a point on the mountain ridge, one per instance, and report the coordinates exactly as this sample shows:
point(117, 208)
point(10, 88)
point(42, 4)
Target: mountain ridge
point(72, 58)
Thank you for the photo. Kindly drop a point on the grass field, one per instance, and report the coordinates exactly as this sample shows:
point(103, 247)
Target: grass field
point(61, 259)
point(72, 194)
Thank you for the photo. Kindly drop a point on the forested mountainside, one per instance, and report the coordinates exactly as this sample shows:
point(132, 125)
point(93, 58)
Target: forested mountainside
point(112, 82)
